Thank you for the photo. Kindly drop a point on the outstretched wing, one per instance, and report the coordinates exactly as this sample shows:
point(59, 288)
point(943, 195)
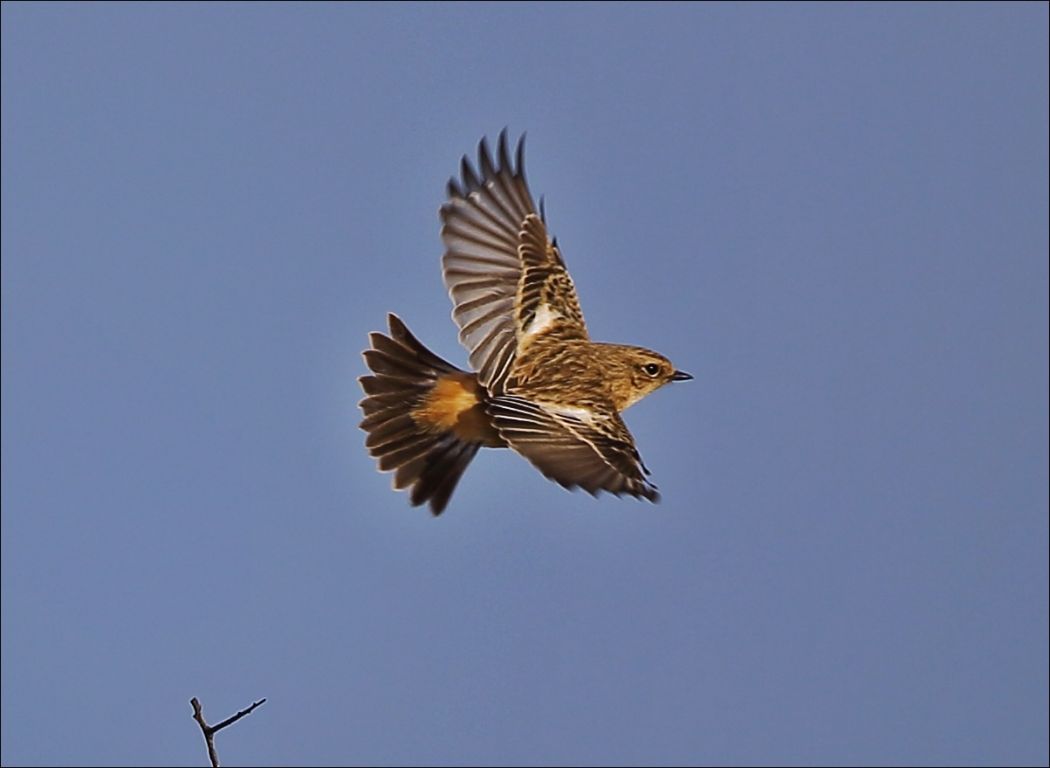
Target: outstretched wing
point(507, 280)
point(573, 446)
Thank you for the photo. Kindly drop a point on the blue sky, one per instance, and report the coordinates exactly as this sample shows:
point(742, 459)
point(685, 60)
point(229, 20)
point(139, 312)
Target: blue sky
point(835, 216)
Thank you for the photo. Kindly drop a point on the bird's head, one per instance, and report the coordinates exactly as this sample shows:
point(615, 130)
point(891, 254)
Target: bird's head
point(634, 372)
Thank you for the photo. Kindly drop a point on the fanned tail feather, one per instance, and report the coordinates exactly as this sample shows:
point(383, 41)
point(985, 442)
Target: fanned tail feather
point(425, 457)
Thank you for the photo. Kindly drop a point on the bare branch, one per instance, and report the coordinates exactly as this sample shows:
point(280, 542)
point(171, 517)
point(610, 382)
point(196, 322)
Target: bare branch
point(209, 731)
point(238, 716)
point(206, 729)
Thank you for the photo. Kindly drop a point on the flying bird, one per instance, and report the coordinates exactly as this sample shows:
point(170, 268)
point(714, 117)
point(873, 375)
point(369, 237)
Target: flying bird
point(539, 385)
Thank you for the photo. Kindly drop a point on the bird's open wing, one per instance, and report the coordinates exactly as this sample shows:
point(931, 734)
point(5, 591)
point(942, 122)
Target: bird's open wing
point(591, 449)
point(507, 280)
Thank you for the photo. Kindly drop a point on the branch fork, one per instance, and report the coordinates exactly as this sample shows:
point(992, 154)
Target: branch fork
point(209, 731)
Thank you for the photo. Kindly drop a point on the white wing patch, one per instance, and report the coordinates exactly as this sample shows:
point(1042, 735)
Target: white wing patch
point(544, 320)
point(579, 414)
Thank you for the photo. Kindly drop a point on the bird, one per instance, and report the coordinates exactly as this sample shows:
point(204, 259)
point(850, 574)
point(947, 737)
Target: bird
point(537, 385)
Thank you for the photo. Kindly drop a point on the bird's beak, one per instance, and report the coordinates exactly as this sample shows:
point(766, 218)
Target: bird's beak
point(681, 376)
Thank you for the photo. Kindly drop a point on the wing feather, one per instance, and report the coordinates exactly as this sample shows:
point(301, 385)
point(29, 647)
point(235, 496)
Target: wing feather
point(595, 452)
point(500, 267)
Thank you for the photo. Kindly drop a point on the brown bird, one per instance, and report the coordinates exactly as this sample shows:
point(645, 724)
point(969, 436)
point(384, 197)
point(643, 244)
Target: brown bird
point(541, 386)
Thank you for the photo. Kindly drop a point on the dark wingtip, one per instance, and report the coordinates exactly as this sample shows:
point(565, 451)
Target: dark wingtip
point(470, 176)
point(504, 155)
point(485, 158)
point(395, 324)
point(519, 157)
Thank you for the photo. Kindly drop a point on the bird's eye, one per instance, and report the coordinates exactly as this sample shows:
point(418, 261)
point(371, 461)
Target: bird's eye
point(651, 368)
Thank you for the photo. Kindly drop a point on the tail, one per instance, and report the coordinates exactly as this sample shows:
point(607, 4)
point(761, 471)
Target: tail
point(404, 433)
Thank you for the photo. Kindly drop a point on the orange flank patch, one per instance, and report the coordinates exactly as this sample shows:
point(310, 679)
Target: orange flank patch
point(454, 404)
point(447, 401)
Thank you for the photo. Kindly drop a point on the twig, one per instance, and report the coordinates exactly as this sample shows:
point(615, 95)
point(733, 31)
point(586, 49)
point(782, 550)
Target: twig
point(209, 731)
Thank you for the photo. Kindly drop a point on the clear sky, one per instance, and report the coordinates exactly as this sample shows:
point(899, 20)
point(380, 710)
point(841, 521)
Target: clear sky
point(835, 216)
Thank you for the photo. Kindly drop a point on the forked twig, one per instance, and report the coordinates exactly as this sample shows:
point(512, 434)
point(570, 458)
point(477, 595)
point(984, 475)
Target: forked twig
point(209, 731)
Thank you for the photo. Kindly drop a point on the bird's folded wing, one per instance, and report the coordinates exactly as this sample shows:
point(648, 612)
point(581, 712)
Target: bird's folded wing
point(575, 447)
point(507, 280)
